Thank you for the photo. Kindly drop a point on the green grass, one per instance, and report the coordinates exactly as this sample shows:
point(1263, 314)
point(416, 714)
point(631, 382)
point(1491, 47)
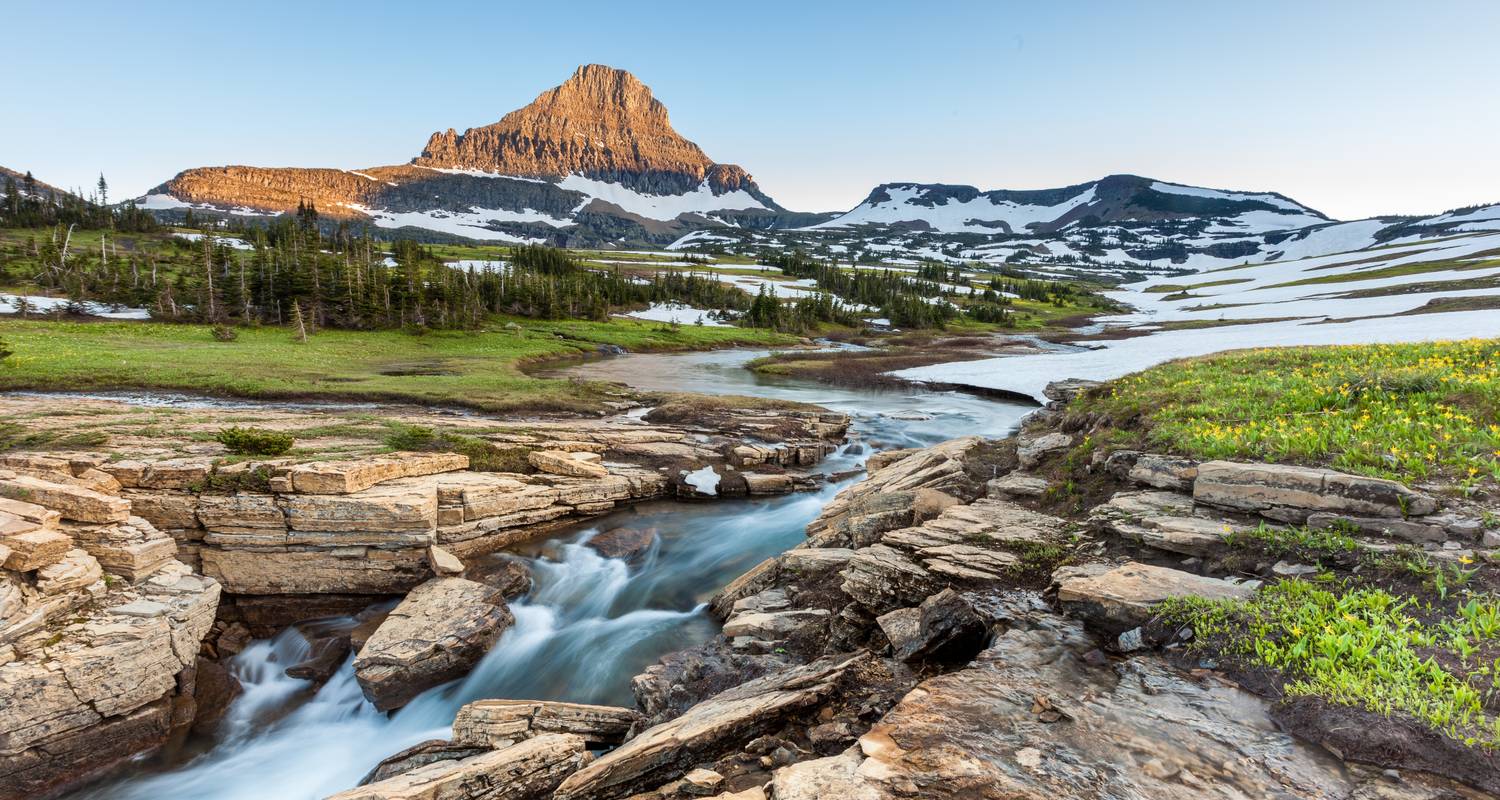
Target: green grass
point(1398, 270)
point(1296, 541)
point(474, 369)
point(1169, 288)
point(1406, 411)
point(1363, 648)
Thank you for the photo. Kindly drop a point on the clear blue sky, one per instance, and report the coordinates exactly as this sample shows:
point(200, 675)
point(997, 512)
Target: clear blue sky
point(1355, 108)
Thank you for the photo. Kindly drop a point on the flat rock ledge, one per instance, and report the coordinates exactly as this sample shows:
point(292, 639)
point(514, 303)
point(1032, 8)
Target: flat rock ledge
point(435, 635)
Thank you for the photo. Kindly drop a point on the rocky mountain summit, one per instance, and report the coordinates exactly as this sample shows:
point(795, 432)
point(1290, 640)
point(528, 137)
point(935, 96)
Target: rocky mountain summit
point(590, 162)
point(601, 123)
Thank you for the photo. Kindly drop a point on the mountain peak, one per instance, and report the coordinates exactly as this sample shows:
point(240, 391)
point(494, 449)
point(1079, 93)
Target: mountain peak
point(602, 123)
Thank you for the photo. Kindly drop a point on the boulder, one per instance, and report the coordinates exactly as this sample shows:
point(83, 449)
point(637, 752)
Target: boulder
point(1291, 493)
point(944, 629)
point(628, 544)
point(176, 473)
point(435, 635)
point(707, 731)
point(1118, 599)
point(529, 770)
point(1031, 449)
point(496, 723)
point(1163, 472)
point(762, 484)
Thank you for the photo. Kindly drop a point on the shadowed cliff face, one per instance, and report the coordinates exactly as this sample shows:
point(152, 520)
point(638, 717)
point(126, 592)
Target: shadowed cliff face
point(602, 123)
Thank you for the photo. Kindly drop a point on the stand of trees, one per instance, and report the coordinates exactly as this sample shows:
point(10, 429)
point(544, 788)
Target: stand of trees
point(25, 203)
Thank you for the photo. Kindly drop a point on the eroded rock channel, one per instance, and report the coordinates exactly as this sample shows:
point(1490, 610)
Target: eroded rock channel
point(947, 624)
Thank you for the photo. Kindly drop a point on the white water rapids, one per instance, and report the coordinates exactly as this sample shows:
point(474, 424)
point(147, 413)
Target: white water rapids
point(588, 625)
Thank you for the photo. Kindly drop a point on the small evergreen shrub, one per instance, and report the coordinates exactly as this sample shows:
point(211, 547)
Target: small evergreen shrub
point(224, 333)
point(255, 441)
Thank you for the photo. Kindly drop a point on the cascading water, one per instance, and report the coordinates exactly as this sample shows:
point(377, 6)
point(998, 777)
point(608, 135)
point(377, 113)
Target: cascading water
point(589, 624)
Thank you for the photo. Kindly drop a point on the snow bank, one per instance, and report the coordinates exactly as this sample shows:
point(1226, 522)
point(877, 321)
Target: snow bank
point(704, 480)
point(678, 313)
point(43, 305)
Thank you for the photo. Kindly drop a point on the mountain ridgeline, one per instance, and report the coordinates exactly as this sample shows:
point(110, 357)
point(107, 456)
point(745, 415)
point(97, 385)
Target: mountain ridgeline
point(595, 162)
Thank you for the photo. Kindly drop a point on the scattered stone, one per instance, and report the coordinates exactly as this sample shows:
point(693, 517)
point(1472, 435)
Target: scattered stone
point(707, 731)
point(702, 782)
point(324, 657)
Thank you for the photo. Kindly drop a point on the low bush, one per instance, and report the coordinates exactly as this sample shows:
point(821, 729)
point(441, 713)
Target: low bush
point(255, 441)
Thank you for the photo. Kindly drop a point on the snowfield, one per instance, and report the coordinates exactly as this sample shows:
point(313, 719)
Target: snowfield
point(663, 207)
point(952, 216)
point(1258, 309)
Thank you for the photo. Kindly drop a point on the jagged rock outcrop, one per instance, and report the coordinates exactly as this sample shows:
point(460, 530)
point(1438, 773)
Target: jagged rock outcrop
point(1034, 719)
point(602, 122)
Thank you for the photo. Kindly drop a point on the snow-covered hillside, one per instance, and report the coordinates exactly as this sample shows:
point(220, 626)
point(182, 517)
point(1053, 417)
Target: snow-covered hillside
point(1413, 290)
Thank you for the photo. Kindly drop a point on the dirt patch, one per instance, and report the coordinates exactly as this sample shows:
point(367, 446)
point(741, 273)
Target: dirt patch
point(1357, 735)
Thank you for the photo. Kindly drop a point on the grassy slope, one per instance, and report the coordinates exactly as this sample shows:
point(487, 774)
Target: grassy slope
point(1408, 411)
point(475, 369)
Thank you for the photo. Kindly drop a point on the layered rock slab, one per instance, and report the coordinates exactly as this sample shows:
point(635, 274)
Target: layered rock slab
point(435, 635)
point(706, 731)
point(529, 770)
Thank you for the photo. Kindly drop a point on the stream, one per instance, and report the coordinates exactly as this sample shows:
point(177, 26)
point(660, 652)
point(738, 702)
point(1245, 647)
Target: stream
point(588, 625)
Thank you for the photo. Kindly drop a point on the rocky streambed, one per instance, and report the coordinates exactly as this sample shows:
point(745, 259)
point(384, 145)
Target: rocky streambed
point(962, 621)
point(571, 615)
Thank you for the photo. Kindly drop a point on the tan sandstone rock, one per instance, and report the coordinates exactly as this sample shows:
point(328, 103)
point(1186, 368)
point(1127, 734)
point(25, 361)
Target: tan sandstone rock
point(440, 630)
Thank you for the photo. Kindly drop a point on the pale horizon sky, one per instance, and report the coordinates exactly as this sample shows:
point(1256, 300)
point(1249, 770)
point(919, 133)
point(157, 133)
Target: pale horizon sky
point(1353, 108)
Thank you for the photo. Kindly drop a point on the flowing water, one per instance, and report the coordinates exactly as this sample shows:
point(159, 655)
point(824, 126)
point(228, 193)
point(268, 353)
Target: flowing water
point(588, 625)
